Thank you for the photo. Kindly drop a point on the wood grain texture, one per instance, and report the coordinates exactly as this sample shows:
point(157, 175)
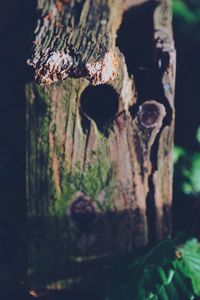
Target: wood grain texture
point(96, 185)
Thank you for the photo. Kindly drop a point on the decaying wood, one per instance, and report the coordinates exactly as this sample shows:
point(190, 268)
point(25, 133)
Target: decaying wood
point(95, 186)
point(66, 41)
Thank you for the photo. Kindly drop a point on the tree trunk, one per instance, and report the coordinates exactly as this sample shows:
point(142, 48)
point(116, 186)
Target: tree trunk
point(99, 143)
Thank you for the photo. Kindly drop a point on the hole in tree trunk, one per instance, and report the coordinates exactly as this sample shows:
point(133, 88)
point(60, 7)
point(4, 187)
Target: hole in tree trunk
point(142, 56)
point(138, 47)
point(139, 51)
point(100, 104)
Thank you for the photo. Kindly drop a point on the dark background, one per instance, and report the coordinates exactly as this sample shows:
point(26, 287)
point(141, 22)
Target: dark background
point(17, 20)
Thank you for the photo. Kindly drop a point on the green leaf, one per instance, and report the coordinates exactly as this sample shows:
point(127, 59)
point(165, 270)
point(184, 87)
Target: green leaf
point(180, 8)
point(191, 173)
point(189, 264)
point(159, 274)
point(178, 152)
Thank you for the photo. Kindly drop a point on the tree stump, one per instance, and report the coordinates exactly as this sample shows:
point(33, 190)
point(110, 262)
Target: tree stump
point(100, 123)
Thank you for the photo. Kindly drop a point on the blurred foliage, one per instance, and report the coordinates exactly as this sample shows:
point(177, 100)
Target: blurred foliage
point(187, 170)
point(187, 15)
point(186, 200)
point(188, 10)
point(187, 163)
point(166, 271)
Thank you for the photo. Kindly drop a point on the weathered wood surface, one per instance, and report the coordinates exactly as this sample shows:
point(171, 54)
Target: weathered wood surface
point(99, 158)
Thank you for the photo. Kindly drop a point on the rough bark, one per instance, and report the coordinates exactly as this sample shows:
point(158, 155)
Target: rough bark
point(99, 158)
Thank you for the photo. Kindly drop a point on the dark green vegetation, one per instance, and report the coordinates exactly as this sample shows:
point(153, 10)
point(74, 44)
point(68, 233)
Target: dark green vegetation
point(165, 271)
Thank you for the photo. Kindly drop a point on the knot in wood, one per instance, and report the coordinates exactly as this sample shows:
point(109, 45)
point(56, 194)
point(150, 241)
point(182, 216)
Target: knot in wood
point(82, 212)
point(150, 114)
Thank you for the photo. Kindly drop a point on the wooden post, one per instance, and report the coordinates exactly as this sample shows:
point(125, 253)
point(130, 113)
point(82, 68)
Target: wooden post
point(99, 138)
